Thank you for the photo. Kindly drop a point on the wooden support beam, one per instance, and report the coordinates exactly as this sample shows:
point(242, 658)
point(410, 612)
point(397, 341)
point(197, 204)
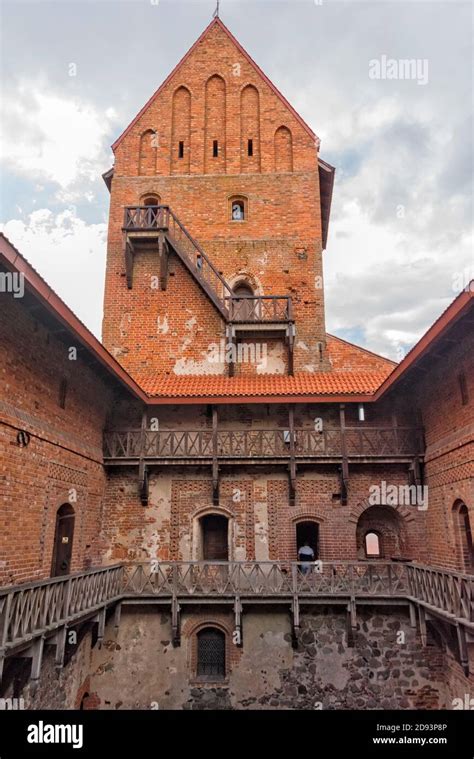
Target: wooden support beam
point(129, 262)
point(117, 615)
point(101, 616)
point(238, 622)
point(163, 256)
point(422, 621)
point(215, 464)
point(412, 615)
point(290, 334)
point(175, 622)
point(36, 653)
point(344, 464)
point(462, 643)
point(292, 465)
point(60, 641)
point(295, 621)
point(230, 348)
point(143, 485)
point(2, 661)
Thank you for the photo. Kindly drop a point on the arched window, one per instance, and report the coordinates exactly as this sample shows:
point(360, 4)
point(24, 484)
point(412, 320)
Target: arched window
point(63, 538)
point(463, 537)
point(390, 541)
point(238, 208)
point(211, 664)
point(372, 546)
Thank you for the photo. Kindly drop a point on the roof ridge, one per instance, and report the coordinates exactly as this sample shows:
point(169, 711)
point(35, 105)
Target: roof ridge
point(361, 348)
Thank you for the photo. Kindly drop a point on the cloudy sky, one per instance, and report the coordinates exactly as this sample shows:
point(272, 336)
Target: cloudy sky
point(400, 246)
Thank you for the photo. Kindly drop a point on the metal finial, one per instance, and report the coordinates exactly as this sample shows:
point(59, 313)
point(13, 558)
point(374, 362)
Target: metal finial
point(216, 12)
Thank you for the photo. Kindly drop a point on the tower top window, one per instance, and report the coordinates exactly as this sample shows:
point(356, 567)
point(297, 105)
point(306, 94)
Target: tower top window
point(238, 210)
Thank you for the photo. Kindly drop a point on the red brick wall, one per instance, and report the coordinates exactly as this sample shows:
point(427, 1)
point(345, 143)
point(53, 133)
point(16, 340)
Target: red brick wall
point(449, 429)
point(63, 461)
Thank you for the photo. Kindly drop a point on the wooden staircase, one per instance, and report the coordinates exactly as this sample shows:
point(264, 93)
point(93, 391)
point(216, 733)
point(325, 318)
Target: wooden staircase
point(158, 229)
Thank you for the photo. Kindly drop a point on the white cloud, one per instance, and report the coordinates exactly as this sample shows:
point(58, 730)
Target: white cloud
point(53, 137)
point(69, 254)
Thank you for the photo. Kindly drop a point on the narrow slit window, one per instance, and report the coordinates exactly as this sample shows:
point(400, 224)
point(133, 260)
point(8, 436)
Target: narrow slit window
point(463, 389)
point(181, 149)
point(250, 148)
point(215, 148)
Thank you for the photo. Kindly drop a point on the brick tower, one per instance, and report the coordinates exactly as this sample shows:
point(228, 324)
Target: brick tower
point(217, 191)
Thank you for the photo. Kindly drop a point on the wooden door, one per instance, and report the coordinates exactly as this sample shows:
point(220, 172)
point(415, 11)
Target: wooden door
point(63, 540)
point(215, 538)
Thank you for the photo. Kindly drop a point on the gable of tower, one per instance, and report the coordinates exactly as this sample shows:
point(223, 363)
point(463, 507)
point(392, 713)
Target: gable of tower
point(217, 112)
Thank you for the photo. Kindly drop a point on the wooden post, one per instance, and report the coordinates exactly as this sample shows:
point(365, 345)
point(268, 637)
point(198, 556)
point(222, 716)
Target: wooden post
point(295, 621)
point(238, 621)
point(117, 615)
point(37, 657)
point(60, 641)
point(215, 464)
point(422, 620)
point(163, 256)
point(142, 470)
point(345, 464)
point(292, 467)
point(463, 653)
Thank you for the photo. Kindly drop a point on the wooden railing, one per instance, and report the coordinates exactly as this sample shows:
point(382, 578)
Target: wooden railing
point(264, 578)
point(37, 609)
point(451, 592)
point(253, 309)
point(29, 610)
point(145, 218)
point(259, 308)
point(374, 442)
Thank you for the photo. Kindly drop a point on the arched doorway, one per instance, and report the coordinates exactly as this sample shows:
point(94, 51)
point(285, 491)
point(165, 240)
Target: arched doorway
point(307, 533)
point(214, 537)
point(244, 305)
point(63, 540)
point(463, 537)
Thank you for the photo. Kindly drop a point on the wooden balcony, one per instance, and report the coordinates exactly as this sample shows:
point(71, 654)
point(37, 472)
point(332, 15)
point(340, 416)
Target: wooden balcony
point(359, 444)
point(35, 613)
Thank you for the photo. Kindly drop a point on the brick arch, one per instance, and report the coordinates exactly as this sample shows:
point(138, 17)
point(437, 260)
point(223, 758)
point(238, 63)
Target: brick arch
point(222, 622)
point(249, 128)
point(147, 153)
point(390, 527)
point(180, 130)
point(356, 511)
point(246, 278)
point(463, 531)
point(150, 194)
point(308, 516)
point(215, 125)
point(283, 149)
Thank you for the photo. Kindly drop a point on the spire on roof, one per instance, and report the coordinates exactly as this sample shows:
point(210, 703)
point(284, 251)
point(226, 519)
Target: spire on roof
point(216, 12)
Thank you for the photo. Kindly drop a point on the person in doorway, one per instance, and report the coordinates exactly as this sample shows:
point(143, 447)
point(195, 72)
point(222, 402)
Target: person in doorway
point(305, 557)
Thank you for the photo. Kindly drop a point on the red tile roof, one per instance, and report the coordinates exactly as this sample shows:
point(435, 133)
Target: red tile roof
point(264, 385)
